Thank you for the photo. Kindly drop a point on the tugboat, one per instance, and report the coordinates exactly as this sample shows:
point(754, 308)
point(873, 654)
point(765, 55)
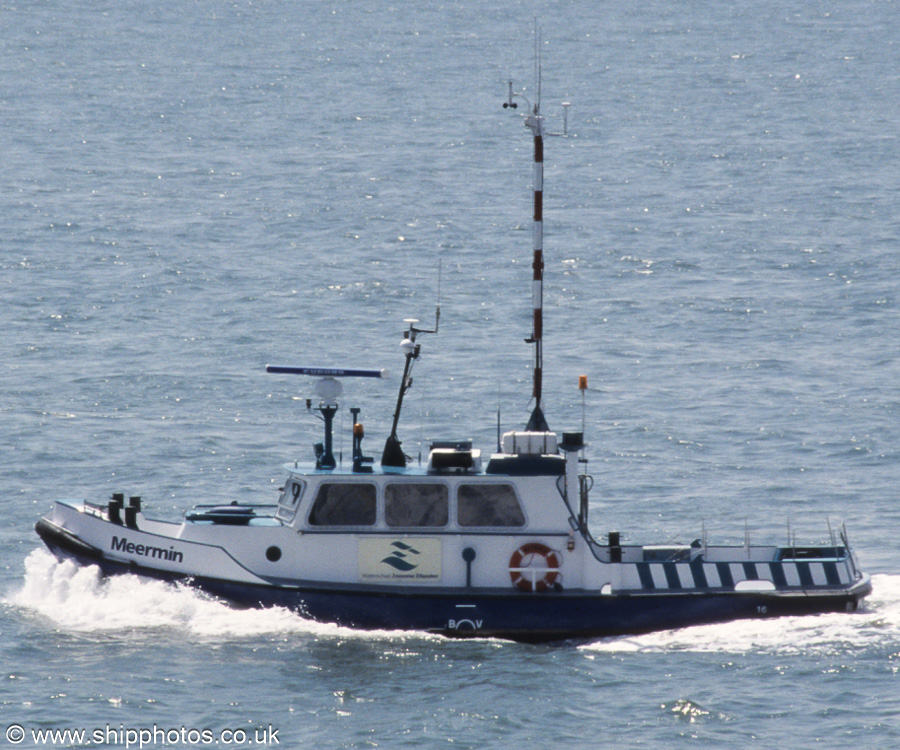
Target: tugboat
point(466, 545)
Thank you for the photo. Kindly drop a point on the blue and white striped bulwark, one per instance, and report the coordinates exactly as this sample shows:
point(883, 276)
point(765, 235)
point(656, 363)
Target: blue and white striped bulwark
point(698, 574)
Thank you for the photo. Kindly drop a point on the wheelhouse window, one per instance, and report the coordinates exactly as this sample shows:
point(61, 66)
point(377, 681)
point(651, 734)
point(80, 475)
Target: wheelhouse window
point(488, 505)
point(289, 500)
point(348, 504)
point(422, 505)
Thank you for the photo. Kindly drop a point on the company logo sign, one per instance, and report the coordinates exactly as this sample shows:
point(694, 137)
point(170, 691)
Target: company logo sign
point(411, 561)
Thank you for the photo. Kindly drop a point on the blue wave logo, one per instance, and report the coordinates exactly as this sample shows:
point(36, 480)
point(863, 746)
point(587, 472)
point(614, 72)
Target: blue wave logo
point(397, 559)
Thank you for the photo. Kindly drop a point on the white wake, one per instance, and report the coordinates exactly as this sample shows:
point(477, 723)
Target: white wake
point(875, 624)
point(78, 598)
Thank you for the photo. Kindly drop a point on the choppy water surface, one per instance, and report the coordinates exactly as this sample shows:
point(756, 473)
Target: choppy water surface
point(192, 191)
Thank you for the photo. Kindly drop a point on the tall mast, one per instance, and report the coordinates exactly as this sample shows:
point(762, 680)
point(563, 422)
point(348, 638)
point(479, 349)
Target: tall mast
point(534, 122)
point(537, 423)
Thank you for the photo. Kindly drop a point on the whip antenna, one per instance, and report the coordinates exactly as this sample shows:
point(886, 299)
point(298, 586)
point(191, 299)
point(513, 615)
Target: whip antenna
point(393, 454)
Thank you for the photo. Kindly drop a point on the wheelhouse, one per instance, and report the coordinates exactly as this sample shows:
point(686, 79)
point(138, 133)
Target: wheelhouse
point(402, 503)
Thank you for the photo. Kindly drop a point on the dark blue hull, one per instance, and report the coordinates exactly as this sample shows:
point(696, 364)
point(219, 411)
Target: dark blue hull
point(498, 613)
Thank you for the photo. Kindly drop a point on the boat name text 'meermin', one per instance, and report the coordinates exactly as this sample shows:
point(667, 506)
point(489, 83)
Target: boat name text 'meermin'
point(123, 545)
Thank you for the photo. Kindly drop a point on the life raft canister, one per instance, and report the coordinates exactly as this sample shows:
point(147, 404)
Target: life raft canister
point(534, 567)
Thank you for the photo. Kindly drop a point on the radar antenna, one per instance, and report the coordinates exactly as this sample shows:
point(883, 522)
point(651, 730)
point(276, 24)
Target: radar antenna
point(328, 389)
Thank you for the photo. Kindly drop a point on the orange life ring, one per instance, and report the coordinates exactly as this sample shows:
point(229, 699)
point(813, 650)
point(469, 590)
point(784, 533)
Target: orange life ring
point(528, 572)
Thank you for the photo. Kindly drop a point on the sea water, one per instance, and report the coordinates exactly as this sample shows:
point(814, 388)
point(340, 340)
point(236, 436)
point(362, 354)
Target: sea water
point(193, 190)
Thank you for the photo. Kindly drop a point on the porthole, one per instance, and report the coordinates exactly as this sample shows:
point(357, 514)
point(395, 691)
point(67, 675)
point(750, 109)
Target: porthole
point(273, 554)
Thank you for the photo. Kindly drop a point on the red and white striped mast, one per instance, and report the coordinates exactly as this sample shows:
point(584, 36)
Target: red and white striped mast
point(534, 122)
